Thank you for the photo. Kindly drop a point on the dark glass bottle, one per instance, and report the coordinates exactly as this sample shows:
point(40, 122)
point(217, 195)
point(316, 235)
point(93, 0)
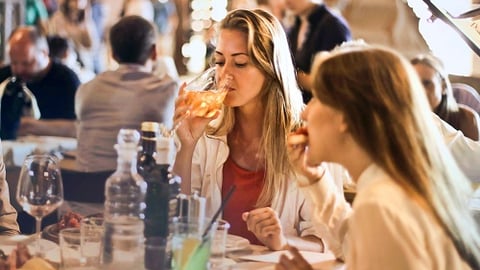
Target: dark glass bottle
point(16, 101)
point(146, 158)
point(154, 165)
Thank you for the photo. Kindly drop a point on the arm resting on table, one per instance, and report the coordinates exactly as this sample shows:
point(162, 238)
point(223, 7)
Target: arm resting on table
point(54, 127)
point(8, 214)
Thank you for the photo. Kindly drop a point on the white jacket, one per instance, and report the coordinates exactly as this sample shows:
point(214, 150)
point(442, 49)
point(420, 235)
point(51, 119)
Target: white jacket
point(293, 208)
point(385, 229)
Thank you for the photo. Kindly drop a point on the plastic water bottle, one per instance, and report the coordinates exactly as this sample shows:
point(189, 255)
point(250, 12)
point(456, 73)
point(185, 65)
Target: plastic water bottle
point(124, 208)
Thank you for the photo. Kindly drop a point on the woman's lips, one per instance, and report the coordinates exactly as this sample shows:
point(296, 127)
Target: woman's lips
point(299, 136)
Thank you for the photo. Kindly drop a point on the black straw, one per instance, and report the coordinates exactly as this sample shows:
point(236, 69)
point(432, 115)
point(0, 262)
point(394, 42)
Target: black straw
point(222, 206)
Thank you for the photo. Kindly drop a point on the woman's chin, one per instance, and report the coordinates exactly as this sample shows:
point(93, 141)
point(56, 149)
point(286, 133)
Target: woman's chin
point(312, 161)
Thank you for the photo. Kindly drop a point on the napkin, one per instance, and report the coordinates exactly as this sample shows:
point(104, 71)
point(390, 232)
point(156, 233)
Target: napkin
point(273, 257)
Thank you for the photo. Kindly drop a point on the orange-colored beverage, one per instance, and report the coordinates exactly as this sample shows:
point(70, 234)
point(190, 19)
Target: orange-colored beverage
point(204, 103)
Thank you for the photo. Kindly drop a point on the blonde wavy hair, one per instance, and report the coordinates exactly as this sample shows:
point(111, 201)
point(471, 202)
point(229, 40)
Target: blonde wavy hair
point(387, 113)
point(269, 51)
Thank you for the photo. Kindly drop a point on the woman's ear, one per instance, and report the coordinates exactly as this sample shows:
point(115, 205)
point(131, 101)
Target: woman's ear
point(153, 53)
point(342, 125)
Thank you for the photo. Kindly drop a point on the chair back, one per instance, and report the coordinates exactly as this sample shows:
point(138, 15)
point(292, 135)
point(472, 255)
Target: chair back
point(86, 187)
point(466, 95)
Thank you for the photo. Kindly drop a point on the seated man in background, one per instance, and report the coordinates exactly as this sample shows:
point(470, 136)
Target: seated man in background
point(63, 51)
point(8, 214)
point(122, 98)
point(52, 84)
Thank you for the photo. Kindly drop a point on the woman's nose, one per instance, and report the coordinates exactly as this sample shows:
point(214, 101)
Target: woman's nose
point(223, 73)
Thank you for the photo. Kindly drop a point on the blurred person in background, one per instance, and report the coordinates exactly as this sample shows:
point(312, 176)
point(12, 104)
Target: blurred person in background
point(36, 15)
point(439, 92)
point(74, 20)
point(124, 97)
point(142, 8)
point(51, 6)
point(276, 7)
point(166, 20)
point(63, 51)
point(53, 84)
point(316, 29)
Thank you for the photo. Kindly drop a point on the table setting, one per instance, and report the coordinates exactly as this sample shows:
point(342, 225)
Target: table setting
point(240, 254)
point(15, 151)
point(194, 241)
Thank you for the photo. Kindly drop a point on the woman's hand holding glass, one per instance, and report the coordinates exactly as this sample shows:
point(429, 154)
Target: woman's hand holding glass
point(199, 102)
point(188, 127)
point(265, 224)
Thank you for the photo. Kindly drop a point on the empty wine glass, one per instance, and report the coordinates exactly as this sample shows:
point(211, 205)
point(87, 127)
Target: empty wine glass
point(40, 189)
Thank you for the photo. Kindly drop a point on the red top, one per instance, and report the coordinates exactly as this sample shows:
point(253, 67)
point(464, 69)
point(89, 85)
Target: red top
point(248, 187)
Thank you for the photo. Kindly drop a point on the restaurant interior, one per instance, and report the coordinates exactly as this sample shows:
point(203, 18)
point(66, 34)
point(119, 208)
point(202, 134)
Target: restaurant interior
point(185, 41)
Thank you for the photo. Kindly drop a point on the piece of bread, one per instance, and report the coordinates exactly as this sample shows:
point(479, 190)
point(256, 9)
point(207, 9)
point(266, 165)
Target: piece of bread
point(295, 139)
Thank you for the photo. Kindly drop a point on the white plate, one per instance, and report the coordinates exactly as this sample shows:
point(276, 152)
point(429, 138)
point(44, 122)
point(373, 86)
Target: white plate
point(235, 242)
point(51, 249)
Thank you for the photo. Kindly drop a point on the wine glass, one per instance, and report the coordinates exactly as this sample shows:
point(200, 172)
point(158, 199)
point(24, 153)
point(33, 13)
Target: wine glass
point(205, 95)
point(40, 189)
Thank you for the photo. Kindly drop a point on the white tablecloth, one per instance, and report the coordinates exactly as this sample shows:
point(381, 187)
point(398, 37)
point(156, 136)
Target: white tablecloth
point(15, 152)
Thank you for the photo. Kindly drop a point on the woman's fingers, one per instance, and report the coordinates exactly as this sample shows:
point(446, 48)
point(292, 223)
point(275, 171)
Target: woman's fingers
point(263, 222)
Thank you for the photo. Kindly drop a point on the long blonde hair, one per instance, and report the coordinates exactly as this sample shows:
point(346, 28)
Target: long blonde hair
point(387, 112)
point(268, 50)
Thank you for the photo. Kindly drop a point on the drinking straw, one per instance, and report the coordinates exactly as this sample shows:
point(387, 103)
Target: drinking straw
point(220, 209)
point(198, 256)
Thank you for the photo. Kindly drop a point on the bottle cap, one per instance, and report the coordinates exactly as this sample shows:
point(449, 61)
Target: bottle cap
point(128, 136)
point(150, 126)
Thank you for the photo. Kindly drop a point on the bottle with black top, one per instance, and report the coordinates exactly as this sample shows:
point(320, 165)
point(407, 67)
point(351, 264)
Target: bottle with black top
point(154, 165)
point(146, 158)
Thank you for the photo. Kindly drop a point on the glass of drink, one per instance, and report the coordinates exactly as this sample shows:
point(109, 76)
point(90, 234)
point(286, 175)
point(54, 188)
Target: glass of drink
point(40, 189)
point(191, 243)
point(70, 249)
point(91, 232)
point(123, 243)
point(205, 95)
point(219, 243)
point(192, 206)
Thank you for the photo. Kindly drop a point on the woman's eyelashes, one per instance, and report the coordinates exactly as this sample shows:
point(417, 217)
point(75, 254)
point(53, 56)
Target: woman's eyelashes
point(239, 65)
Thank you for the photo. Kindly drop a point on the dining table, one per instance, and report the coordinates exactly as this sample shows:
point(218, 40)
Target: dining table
point(261, 258)
point(247, 257)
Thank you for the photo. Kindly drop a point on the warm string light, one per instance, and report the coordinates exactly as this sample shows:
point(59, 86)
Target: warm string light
point(203, 16)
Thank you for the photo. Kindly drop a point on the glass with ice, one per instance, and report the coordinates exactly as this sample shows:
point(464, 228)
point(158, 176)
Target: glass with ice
point(204, 95)
point(191, 244)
